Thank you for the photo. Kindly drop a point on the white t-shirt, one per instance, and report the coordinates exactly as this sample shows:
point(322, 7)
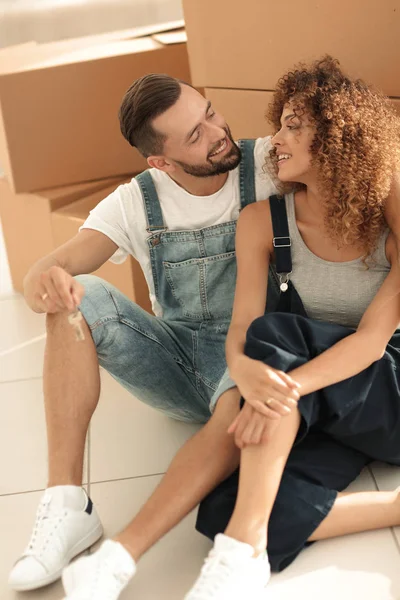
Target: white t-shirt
point(121, 216)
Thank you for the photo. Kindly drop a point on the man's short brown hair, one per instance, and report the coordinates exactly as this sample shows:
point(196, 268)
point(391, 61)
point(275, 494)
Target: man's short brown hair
point(146, 99)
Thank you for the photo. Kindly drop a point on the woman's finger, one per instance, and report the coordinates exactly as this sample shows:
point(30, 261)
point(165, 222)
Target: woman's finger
point(233, 425)
point(278, 407)
point(257, 432)
point(276, 382)
point(240, 428)
point(272, 392)
point(248, 432)
point(264, 410)
point(288, 380)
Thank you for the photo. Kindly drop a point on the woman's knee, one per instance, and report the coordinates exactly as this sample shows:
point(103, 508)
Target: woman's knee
point(279, 339)
point(269, 327)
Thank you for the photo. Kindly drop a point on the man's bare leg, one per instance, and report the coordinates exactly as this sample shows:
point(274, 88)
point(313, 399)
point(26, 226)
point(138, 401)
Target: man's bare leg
point(66, 522)
point(71, 394)
point(204, 461)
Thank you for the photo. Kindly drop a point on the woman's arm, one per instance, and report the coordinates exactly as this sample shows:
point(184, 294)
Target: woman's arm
point(359, 350)
point(256, 381)
point(392, 210)
point(253, 233)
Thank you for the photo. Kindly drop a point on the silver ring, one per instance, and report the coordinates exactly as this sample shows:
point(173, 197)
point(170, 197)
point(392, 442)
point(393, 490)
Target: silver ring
point(44, 297)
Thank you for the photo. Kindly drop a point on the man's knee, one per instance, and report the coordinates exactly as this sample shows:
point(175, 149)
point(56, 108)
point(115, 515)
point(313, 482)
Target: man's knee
point(98, 302)
point(227, 408)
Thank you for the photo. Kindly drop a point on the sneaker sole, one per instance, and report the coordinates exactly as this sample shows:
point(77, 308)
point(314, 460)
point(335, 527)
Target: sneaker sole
point(91, 538)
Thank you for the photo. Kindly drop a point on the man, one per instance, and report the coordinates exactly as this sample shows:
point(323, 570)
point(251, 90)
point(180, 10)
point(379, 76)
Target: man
point(178, 219)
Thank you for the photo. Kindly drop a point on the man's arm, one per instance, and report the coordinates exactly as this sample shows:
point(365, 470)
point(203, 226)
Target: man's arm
point(52, 276)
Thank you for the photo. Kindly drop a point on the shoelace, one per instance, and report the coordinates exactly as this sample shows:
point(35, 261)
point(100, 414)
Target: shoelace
point(215, 572)
point(48, 520)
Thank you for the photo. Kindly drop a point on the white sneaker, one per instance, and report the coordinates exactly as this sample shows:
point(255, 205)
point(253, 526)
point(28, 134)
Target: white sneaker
point(101, 576)
point(59, 534)
point(231, 573)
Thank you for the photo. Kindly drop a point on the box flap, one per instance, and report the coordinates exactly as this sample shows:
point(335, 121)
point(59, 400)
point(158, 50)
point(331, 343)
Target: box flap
point(103, 51)
point(171, 37)
point(81, 208)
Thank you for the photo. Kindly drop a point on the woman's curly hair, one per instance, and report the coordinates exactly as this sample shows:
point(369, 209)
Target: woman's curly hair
point(356, 147)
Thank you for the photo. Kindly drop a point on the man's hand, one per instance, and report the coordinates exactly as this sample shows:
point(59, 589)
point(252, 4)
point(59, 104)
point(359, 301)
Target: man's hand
point(270, 392)
point(53, 291)
point(252, 428)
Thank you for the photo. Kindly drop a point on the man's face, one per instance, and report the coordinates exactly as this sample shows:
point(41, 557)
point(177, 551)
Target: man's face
point(198, 140)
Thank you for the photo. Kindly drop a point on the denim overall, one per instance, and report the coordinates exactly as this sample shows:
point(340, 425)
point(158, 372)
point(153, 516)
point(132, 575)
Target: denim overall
point(173, 363)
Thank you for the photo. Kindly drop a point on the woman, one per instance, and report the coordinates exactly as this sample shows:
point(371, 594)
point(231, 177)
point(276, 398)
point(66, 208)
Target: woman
point(336, 151)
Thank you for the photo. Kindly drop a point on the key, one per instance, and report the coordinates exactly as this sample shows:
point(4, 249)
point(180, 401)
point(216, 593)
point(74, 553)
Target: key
point(75, 319)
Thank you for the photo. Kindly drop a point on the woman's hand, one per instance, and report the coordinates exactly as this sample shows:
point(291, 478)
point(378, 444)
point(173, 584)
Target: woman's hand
point(252, 428)
point(270, 392)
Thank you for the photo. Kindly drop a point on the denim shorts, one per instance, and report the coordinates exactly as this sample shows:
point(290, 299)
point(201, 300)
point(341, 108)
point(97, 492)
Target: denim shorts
point(174, 367)
point(226, 383)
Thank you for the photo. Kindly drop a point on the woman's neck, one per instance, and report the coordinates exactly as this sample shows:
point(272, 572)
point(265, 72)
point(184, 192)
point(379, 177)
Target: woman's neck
point(312, 201)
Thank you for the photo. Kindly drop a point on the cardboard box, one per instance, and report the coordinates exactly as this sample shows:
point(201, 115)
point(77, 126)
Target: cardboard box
point(22, 55)
point(112, 36)
point(59, 118)
point(128, 276)
point(244, 110)
point(250, 45)
point(27, 225)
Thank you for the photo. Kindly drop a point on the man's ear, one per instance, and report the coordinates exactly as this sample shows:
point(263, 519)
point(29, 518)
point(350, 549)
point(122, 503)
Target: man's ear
point(160, 163)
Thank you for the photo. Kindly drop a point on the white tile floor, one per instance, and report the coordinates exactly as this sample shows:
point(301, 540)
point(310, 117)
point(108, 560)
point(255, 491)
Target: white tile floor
point(130, 446)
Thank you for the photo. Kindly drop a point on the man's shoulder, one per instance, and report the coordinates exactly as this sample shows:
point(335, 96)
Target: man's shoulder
point(260, 142)
point(262, 146)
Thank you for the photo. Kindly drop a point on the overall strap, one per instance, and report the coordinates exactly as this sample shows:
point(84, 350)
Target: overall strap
point(246, 173)
point(155, 221)
point(281, 241)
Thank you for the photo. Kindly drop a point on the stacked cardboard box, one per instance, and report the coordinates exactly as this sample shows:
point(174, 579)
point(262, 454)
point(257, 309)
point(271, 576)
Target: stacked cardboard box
point(238, 51)
point(59, 134)
point(59, 113)
point(27, 225)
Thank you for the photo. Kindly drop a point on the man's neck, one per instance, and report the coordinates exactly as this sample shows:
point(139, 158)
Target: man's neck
point(200, 186)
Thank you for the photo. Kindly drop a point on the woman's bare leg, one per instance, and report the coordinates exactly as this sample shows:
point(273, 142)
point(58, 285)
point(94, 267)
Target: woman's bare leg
point(261, 469)
point(360, 511)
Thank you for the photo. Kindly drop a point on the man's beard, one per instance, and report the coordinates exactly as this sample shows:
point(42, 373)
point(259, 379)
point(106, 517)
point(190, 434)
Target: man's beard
point(210, 169)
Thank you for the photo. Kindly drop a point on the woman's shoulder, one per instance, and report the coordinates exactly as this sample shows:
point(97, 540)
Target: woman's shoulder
point(255, 220)
point(256, 213)
point(257, 208)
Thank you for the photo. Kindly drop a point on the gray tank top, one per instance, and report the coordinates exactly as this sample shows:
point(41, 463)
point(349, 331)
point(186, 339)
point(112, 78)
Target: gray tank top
point(338, 292)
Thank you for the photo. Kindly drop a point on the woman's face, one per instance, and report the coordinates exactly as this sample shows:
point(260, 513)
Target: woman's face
point(292, 145)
